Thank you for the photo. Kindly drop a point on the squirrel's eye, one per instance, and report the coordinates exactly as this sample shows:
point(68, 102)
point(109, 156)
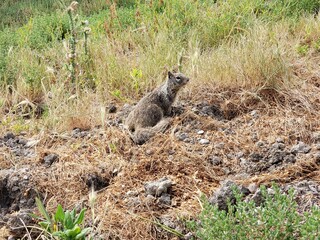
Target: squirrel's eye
point(178, 78)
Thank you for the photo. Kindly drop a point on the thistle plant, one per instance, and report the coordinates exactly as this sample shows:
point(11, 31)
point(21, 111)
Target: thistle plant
point(72, 56)
point(77, 28)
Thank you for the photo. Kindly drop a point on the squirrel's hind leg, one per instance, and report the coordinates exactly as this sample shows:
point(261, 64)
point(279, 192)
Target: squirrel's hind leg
point(141, 135)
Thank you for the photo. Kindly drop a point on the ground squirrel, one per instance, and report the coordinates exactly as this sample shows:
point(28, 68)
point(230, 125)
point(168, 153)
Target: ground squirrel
point(151, 113)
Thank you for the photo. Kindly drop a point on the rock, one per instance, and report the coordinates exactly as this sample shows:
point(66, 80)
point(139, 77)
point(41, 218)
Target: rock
point(316, 137)
point(318, 147)
point(278, 145)
point(95, 181)
point(51, 158)
point(212, 111)
point(220, 145)
point(279, 140)
point(260, 144)
point(215, 161)
point(244, 163)
point(317, 156)
point(157, 188)
point(22, 141)
point(204, 141)
point(165, 198)
point(221, 197)
point(301, 147)
point(252, 187)
point(276, 157)
point(268, 158)
point(271, 192)
point(239, 155)
point(112, 109)
point(226, 170)
point(149, 152)
point(254, 114)
point(289, 158)
point(8, 136)
point(200, 132)
point(172, 223)
point(188, 236)
point(181, 136)
point(132, 193)
point(79, 133)
point(255, 157)
point(254, 137)
point(150, 199)
point(230, 156)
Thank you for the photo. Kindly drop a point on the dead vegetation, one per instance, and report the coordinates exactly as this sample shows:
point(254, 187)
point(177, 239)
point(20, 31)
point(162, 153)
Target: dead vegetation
point(106, 154)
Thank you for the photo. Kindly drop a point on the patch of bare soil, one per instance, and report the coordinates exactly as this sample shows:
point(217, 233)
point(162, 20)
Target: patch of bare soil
point(227, 136)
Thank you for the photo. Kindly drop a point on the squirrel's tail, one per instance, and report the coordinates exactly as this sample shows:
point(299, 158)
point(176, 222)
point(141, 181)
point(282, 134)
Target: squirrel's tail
point(141, 135)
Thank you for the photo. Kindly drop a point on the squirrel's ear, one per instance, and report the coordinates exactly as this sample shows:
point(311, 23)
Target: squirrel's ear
point(170, 75)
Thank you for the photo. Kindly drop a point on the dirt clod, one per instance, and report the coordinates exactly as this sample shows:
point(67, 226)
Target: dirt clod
point(301, 147)
point(112, 109)
point(225, 194)
point(96, 181)
point(159, 187)
point(49, 159)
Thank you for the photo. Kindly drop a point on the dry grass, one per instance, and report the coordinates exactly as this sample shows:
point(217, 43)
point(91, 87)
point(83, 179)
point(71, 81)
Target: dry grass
point(109, 152)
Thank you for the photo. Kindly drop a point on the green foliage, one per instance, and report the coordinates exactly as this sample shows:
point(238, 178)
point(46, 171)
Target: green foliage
point(16, 13)
point(157, 31)
point(8, 40)
point(136, 75)
point(62, 224)
point(303, 49)
point(277, 218)
point(40, 32)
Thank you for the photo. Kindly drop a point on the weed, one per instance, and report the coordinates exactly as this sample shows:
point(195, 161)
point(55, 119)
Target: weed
point(136, 75)
point(276, 218)
point(62, 224)
point(303, 49)
point(117, 94)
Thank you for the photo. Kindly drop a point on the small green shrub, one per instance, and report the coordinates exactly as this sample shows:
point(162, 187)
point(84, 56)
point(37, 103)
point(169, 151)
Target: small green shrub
point(63, 225)
point(277, 218)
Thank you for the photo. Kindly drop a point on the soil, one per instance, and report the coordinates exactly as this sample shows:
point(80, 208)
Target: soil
point(223, 138)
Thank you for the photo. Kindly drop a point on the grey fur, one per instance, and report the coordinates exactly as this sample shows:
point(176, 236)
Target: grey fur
point(152, 112)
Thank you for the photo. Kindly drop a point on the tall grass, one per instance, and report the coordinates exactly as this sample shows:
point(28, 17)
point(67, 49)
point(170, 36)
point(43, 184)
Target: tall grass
point(250, 44)
point(16, 13)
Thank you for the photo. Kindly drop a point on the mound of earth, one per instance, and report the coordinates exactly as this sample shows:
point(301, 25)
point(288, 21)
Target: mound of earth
point(161, 181)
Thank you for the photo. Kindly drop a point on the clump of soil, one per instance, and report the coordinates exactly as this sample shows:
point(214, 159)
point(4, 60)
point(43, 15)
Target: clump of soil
point(17, 199)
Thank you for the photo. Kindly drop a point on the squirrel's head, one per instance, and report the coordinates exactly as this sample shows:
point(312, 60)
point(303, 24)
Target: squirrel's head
point(177, 80)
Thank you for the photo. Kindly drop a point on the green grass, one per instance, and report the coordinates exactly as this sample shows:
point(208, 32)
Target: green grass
point(276, 218)
point(16, 13)
point(248, 44)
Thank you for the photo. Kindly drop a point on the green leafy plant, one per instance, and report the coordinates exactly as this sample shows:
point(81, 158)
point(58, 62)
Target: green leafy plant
point(136, 75)
point(276, 218)
point(303, 49)
point(117, 94)
point(62, 224)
